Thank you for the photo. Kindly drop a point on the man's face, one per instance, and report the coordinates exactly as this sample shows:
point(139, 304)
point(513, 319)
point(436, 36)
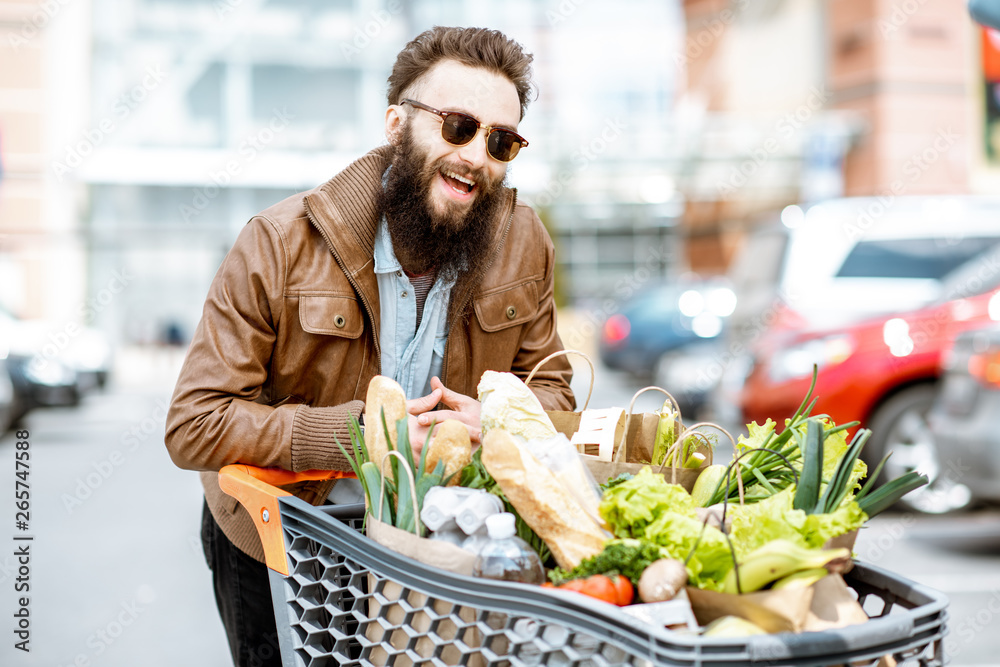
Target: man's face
point(488, 97)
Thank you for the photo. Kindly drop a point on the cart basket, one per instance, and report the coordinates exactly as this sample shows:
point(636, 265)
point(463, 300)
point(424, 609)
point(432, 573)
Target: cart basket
point(342, 599)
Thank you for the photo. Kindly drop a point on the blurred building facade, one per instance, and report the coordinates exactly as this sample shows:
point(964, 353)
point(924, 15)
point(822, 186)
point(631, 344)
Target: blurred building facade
point(139, 136)
point(799, 100)
point(43, 69)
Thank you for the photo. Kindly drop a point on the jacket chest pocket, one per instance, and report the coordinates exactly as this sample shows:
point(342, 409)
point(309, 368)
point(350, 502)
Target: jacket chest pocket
point(331, 315)
point(508, 307)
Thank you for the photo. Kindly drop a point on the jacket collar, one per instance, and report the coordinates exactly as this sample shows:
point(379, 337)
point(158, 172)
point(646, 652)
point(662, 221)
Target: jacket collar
point(344, 210)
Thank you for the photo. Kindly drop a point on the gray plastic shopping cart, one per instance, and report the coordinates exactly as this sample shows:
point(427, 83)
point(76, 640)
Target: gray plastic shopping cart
point(342, 599)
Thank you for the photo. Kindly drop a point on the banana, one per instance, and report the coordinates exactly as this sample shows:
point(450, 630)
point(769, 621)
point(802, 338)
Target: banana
point(800, 579)
point(775, 560)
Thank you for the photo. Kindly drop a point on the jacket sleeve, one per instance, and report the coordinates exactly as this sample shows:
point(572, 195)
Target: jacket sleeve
point(218, 415)
point(541, 338)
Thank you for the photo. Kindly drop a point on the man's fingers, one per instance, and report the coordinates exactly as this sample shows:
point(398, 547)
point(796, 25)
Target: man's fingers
point(416, 406)
point(452, 399)
point(438, 416)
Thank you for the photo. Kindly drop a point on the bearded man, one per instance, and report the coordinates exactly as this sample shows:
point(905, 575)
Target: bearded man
point(415, 262)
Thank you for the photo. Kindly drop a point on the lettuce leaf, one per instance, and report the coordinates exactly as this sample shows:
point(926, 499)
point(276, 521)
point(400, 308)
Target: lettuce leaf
point(773, 518)
point(649, 508)
point(630, 506)
point(819, 528)
point(757, 435)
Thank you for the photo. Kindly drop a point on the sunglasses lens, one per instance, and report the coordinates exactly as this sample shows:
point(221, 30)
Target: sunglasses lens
point(458, 129)
point(503, 145)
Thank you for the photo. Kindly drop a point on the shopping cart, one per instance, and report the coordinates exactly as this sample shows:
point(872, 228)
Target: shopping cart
point(342, 599)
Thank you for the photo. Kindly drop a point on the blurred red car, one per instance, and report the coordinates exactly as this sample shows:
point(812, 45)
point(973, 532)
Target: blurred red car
point(882, 371)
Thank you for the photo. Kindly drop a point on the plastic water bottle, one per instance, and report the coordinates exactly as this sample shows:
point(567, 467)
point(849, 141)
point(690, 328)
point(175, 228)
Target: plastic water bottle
point(506, 556)
point(474, 543)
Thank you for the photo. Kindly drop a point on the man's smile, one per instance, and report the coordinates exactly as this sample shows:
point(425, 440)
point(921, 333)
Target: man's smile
point(461, 187)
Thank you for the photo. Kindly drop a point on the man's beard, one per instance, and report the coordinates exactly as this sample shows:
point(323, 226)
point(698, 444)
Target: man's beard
point(424, 239)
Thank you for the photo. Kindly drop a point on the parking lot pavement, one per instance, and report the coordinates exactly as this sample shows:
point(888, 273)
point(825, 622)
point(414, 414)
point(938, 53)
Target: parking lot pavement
point(117, 575)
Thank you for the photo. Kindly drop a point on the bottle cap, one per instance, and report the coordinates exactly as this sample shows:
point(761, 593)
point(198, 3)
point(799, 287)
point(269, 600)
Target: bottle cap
point(500, 526)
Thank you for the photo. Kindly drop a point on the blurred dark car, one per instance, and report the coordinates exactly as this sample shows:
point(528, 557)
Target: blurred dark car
point(965, 418)
point(8, 397)
point(660, 323)
point(40, 382)
point(54, 363)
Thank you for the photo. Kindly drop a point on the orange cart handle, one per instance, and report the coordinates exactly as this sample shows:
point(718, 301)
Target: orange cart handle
point(257, 490)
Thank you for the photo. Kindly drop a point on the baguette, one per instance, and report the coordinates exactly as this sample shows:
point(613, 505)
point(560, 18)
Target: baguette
point(541, 500)
point(384, 394)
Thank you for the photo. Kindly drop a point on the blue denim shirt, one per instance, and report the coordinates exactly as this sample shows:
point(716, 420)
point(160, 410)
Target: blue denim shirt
point(410, 355)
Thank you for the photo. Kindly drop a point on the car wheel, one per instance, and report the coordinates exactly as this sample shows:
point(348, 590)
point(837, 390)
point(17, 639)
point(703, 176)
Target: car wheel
point(899, 426)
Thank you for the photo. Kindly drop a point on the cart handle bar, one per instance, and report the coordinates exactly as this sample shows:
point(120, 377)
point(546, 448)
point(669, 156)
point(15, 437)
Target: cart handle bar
point(257, 490)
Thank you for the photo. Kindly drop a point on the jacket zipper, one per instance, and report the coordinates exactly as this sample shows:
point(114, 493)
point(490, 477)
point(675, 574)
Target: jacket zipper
point(482, 272)
point(354, 284)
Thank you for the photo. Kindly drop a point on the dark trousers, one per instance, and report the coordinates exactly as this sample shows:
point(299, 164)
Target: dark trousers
point(243, 595)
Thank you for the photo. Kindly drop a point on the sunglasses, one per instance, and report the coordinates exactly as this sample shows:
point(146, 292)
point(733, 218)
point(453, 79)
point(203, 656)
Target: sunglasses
point(458, 129)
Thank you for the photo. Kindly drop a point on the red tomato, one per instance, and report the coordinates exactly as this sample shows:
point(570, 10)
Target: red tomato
point(624, 589)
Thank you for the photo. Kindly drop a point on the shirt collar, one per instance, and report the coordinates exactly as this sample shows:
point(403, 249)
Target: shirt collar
point(385, 257)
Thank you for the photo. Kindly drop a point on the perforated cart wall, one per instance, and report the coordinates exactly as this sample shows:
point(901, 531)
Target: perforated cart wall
point(350, 601)
point(342, 599)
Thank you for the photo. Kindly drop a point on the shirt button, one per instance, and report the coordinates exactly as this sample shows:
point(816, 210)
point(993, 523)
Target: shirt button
point(399, 274)
point(404, 295)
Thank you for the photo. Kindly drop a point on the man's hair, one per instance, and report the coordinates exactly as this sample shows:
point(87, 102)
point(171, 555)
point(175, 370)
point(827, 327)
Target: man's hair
point(475, 47)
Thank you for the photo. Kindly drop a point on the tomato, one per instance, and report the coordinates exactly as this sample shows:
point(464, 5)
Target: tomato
point(601, 587)
point(617, 590)
point(624, 589)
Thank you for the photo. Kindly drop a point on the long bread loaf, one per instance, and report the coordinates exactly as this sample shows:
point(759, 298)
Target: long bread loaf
point(541, 500)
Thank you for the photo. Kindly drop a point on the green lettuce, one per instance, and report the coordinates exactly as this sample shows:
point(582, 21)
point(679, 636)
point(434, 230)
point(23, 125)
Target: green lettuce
point(630, 506)
point(650, 509)
point(773, 518)
point(757, 435)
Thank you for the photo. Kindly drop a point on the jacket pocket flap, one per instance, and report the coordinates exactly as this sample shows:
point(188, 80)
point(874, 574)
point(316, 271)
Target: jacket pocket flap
point(507, 307)
point(331, 315)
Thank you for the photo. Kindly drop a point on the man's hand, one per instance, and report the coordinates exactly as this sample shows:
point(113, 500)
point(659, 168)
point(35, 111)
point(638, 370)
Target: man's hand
point(418, 406)
point(462, 408)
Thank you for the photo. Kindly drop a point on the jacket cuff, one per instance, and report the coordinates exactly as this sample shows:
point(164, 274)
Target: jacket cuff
point(313, 436)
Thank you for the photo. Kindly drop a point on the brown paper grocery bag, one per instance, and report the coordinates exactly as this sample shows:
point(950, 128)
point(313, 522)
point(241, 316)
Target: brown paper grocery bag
point(634, 435)
point(833, 606)
point(785, 610)
point(845, 541)
point(435, 553)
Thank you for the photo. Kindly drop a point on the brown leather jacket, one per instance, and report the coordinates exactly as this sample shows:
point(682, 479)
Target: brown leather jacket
point(288, 339)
